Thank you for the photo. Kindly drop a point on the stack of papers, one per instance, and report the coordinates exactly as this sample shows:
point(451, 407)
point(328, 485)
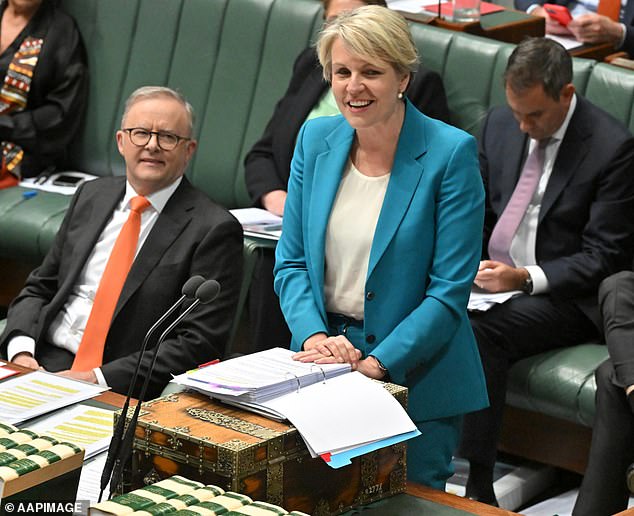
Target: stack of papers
point(251, 380)
point(480, 300)
point(340, 414)
point(259, 223)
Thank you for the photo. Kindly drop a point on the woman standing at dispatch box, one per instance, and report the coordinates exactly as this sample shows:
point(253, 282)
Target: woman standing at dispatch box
point(382, 234)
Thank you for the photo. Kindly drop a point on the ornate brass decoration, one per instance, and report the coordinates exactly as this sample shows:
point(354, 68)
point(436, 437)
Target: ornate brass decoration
point(171, 398)
point(322, 508)
point(234, 423)
point(398, 480)
point(227, 461)
point(174, 442)
point(182, 429)
point(275, 448)
point(275, 483)
point(369, 470)
point(151, 477)
point(236, 445)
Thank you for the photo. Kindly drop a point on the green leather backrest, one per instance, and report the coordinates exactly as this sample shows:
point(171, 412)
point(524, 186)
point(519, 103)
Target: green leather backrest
point(612, 88)
point(231, 60)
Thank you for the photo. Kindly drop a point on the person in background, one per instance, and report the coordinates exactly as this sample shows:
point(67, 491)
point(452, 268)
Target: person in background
point(592, 22)
point(267, 165)
point(558, 178)
point(44, 86)
point(381, 237)
point(125, 249)
point(604, 489)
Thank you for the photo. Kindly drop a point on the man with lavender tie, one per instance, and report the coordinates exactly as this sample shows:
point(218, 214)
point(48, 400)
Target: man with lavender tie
point(559, 181)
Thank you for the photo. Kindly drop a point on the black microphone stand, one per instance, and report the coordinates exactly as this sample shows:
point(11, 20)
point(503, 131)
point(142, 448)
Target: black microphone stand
point(206, 293)
point(189, 289)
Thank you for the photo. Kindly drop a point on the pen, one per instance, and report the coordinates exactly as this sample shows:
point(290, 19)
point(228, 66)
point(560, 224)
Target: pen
point(211, 362)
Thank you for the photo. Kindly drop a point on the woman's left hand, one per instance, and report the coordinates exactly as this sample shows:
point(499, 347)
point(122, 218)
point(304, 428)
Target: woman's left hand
point(331, 350)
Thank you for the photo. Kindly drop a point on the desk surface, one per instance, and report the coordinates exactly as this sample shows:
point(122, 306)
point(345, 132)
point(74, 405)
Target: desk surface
point(419, 500)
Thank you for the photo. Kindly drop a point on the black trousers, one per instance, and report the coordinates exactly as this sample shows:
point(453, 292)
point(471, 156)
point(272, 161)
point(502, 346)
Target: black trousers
point(521, 327)
point(604, 490)
point(267, 324)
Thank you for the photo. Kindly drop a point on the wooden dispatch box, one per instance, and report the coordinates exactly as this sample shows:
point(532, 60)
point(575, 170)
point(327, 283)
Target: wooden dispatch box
point(191, 435)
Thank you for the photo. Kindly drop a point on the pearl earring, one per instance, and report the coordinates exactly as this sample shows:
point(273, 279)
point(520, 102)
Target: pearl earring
point(400, 95)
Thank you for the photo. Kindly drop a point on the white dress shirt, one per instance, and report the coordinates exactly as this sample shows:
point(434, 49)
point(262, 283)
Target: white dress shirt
point(67, 329)
point(522, 250)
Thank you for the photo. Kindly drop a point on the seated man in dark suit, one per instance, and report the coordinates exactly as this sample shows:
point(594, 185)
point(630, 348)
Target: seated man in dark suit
point(604, 490)
point(605, 22)
point(268, 163)
point(120, 259)
point(559, 201)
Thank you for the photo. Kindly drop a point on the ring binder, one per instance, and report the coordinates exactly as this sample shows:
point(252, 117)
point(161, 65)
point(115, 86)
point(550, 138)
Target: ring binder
point(323, 373)
point(299, 384)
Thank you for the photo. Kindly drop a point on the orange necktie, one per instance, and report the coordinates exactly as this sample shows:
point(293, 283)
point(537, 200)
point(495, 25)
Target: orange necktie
point(90, 352)
point(610, 8)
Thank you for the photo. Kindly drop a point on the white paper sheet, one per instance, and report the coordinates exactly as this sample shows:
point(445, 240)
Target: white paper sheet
point(354, 409)
point(87, 426)
point(33, 394)
point(482, 301)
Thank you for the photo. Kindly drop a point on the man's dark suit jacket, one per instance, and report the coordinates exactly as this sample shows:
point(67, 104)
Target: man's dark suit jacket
point(627, 18)
point(586, 228)
point(268, 163)
point(191, 236)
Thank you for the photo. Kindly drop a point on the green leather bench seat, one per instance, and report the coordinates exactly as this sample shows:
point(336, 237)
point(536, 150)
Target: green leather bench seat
point(558, 383)
point(232, 59)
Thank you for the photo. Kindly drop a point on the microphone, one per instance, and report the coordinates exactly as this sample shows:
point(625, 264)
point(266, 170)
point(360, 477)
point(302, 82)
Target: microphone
point(188, 291)
point(205, 294)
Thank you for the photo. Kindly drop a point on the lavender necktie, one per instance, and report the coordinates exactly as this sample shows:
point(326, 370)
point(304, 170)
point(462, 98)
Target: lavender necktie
point(509, 221)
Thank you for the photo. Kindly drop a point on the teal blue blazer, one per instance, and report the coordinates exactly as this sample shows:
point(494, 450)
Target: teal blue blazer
point(423, 259)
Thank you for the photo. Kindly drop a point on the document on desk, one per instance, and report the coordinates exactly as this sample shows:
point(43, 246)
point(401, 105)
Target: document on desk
point(343, 413)
point(33, 394)
point(259, 223)
point(89, 427)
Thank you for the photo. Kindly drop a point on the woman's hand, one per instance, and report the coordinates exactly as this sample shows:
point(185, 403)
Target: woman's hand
point(321, 349)
point(370, 368)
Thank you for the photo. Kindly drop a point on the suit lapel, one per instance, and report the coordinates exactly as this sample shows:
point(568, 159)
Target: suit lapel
point(513, 161)
point(97, 213)
point(325, 183)
point(406, 174)
point(169, 225)
point(572, 152)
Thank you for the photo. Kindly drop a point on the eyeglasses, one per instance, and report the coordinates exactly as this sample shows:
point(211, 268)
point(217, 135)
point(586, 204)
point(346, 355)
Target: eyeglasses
point(166, 141)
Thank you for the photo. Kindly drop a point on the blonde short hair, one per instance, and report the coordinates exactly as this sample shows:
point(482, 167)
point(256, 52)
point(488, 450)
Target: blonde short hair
point(150, 92)
point(373, 32)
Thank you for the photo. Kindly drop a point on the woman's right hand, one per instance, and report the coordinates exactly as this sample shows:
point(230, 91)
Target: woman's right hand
point(322, 349)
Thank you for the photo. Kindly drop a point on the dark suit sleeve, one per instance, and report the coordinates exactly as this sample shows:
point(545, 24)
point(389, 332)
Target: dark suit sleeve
point(628, 43)
point(489, 215)
point(203, 334)
point(261, 171)
point(40, 288)
point(427, 93)
point(607, 238)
